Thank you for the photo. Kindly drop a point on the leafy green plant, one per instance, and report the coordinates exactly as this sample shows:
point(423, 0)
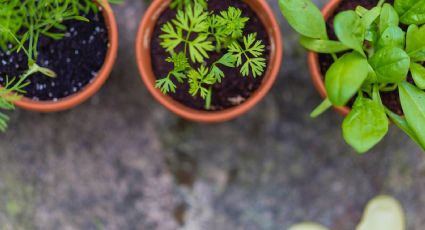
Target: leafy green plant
point(193, 34)
point(373, 54)
point(22, 22)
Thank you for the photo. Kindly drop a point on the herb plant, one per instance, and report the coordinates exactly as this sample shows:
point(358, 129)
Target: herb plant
point(373, 54)
point(22, 22)
point(193, 34)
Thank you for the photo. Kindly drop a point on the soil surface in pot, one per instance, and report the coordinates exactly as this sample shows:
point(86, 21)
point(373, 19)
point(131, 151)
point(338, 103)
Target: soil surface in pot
point(76, 59)
point(390, 99)
point(234, 89)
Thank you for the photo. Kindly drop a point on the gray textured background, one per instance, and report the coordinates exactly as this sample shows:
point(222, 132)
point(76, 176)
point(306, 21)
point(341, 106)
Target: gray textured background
point(121, 161)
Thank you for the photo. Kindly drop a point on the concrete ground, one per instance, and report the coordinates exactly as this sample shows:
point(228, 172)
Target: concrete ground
point(122, 161)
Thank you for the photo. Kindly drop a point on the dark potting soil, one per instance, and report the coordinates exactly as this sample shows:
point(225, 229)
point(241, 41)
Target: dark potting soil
point(234, 89)
point(390, 99)
point(75, 59)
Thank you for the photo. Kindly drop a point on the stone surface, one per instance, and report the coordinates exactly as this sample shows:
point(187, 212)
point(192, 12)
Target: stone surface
point(121, 161)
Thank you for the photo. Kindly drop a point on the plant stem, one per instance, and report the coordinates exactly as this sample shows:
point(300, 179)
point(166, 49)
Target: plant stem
point(381, 2)
point(208, 99)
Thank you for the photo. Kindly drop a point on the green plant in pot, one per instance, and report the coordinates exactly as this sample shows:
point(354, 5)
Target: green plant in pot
point(376, 51)
point(200, 33)
point(30, 31)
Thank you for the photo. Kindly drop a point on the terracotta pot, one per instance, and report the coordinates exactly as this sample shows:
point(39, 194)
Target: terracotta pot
point(143, 43)
point(88, 91)
point(313, 60)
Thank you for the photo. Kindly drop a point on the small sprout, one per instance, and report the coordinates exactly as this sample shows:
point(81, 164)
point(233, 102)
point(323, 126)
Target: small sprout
point(22, 23)
point(198, 32)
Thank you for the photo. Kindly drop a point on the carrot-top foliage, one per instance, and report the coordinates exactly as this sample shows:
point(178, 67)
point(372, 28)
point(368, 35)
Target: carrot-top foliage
point(22, 22)
point(193, 34)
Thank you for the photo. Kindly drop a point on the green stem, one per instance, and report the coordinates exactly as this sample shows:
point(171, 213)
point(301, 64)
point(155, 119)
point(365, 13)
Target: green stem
point(388, 88)
point(381, 2)
point(208, 99)
point(187, 41)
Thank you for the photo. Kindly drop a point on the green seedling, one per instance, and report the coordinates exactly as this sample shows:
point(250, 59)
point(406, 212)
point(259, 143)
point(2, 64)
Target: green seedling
point(22, 22)
point(193, 34)
point(373, 54)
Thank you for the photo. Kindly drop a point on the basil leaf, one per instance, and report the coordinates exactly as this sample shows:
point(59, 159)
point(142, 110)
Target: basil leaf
point(418, 74)
point(403, 125)
point(389, 17)
point(304, 17)
point(402, 6)
point(361, 11)
point(370, 16)
point(365, 125)
point(391, 64)
point(393, 36)
point(322, 46)
point(415, 43)
point(413, 103)
point(368, 19)
point(415, 13)
point(325, 105)
point(372, 33)
point(345, 77)
point(350, 30)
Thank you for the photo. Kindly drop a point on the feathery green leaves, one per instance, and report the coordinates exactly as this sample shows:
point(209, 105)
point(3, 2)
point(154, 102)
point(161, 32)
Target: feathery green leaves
point(195, 32)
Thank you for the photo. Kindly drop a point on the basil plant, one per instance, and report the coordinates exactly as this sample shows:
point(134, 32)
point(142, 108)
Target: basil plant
point(373, 54)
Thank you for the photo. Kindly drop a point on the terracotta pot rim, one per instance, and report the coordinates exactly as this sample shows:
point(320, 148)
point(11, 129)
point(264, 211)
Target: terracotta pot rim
point(96, 83)
point(144, 63)
point(313, 61)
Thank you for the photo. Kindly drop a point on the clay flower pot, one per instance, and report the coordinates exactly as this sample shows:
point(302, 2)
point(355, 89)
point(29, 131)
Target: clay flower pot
point(313, 60)
point(96, 83)
point(143, 53)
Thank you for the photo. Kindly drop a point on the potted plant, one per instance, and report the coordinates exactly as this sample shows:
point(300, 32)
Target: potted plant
point(209, 61)
point(367, 60)
point(54, 54)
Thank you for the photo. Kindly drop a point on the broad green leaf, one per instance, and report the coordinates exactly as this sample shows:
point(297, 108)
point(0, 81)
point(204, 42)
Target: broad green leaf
point(402, 6)
point(411, 11)
point(372, 33)
point(392, 36)
point(415, 43)
point(322, 46)
point(418, 74)
point(325, 105)
point(345, 77)
point(391, 65)
point(350, 30)
point(304, 17)
point(370, 16)
point(413, 103)
point(361, 11)
point(383, 213)
point(403, 125)
point(307, 226)
point(365, 125)
point(389, 17)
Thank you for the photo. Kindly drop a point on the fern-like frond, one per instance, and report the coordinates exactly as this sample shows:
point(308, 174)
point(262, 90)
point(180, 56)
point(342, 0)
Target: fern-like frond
point(199, 80)
point(9, 94)
point(179, 4)
point(250, 55)
point(231, 22)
